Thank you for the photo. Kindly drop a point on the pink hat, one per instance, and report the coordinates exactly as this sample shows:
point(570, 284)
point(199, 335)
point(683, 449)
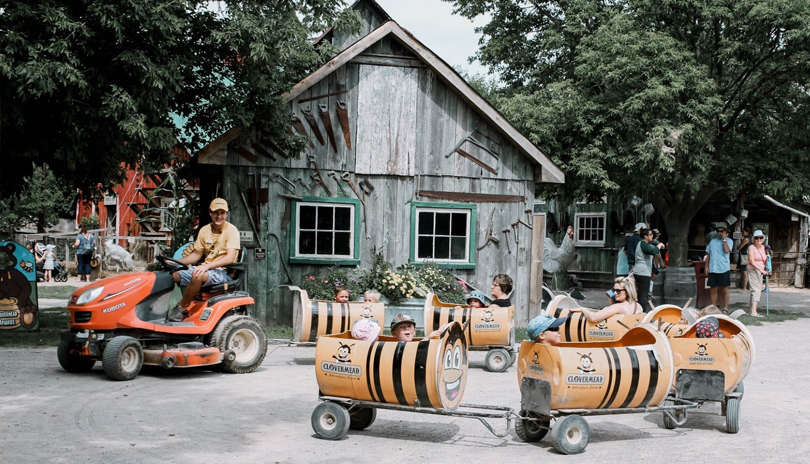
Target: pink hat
point(366, 330)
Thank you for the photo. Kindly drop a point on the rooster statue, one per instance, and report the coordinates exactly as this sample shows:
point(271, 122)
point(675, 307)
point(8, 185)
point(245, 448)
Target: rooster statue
point(559, 259)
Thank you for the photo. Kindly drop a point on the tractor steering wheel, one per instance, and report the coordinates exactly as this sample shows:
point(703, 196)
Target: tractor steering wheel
point(171, 264)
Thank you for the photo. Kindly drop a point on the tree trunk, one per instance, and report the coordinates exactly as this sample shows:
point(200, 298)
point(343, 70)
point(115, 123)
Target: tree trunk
point(677, 208)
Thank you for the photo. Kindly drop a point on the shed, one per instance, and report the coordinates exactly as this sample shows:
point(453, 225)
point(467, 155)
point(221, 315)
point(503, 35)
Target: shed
point(404, 156)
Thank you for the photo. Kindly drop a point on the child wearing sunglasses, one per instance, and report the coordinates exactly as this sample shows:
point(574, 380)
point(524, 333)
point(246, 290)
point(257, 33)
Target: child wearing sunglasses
point(545, 329)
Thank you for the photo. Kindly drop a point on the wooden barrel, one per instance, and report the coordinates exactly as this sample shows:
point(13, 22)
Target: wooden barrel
point(634, 371)
point(578, 329)
point(488, 327)
point(313, 318)
point(733, 355)
point(667, 318)
point(680, 285)
point(422, 373)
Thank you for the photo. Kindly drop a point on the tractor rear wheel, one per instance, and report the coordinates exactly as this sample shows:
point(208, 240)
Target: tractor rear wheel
point(122, 358)
point(72, 362)
point(245, 338)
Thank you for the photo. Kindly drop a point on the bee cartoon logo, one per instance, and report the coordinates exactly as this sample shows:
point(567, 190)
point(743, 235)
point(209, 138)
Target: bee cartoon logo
point(602, 325)
point(27, 266)
point(702, 350)
point(535, 365)
point(452, 371)
point(487, 315)
point(366, 312)
point(343, 353)
point(585, 363)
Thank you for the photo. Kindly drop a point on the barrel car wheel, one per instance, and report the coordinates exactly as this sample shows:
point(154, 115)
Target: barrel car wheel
point(330, 421)
point(733, 414)
point(533, 429)
point(498, 360)
point(362, 417)
point(571, 435)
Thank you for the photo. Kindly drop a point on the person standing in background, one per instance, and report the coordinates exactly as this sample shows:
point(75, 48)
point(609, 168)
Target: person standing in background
point(745, 243)
point(718, 252)
point(84, 252)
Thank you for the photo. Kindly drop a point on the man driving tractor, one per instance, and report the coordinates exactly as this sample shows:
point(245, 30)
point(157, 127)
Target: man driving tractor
point(218, 242)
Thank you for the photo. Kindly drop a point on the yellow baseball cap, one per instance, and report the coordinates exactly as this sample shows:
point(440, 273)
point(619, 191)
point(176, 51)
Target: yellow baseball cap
point(217, 204)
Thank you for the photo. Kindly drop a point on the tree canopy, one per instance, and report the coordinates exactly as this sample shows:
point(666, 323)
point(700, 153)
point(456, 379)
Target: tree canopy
point(86, 85)
point(670, 100)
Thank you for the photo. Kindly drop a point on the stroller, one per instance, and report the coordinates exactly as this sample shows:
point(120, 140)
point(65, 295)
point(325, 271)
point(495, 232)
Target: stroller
point(59, 272)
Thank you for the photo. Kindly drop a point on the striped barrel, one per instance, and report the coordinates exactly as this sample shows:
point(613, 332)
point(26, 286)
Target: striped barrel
point(732, 355)
point(313, 318)
point(578, 329)
point(634, 371)
point(422, 373)
point(668, 319)
point(488, 327)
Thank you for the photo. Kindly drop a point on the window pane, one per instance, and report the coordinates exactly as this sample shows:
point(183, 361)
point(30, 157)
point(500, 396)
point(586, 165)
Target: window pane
point(425, 224)
point(442, 223)
point(458, 248)
point(325, 218)
point(424, 248)
point(342, 243)
point(343, 219)
point(459, 226)
point(306, 219)
point(324, 245)
point(442, 250)
point(306, 243)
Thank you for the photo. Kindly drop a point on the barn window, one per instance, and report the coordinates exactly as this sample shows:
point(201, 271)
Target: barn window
point(590, 229)
point(325, 231)
point(443, 233)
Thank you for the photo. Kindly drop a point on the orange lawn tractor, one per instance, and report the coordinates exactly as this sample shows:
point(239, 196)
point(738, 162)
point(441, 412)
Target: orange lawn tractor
point(121, 321)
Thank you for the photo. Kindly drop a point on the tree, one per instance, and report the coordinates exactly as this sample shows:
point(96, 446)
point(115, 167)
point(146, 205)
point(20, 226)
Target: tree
point(43, 197)
point(93, 87)
point(673, 101)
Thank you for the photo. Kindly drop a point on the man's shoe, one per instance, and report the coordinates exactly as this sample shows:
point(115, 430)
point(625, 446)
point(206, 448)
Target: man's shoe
point(177, 314)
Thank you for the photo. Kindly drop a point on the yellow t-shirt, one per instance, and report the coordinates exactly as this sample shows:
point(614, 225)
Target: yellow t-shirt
point(214, 245)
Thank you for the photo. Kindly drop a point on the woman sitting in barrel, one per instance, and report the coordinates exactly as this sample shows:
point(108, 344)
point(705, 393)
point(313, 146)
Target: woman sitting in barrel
point(626, 299)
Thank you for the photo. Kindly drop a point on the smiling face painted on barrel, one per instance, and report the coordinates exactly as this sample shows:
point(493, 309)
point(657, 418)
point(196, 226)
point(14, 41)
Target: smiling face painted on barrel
point(453, 369)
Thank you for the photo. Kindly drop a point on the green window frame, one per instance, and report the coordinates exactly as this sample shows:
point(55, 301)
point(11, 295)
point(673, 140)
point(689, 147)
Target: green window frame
point(325, 231)
point(444, 228)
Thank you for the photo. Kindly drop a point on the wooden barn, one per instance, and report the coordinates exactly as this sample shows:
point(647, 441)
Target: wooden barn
point(404, 156)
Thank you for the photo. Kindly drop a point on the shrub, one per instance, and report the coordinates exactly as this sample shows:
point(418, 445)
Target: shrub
point(323, 287)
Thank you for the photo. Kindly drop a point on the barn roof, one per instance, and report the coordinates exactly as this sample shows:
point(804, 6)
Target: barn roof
point(550, 171)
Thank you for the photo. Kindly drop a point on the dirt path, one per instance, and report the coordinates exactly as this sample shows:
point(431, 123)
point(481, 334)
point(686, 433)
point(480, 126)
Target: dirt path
point(193, 416)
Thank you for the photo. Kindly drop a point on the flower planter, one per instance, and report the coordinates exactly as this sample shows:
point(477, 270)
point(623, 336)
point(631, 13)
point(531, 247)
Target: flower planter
point(414, 307)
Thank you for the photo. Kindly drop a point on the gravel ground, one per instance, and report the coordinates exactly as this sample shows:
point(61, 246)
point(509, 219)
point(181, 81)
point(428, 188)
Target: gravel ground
point(197, 415)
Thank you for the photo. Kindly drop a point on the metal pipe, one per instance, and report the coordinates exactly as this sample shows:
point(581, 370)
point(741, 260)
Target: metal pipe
point(793, 210)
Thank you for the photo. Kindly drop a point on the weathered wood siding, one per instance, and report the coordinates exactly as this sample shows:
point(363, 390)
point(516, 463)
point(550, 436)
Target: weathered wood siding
point(403, 121)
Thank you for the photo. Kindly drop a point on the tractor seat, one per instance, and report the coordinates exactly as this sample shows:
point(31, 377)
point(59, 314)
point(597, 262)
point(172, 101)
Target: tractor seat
point(237, 273)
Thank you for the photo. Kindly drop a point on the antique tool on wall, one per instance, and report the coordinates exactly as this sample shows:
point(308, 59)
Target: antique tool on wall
point(529, 218)
point(347, 177)
point(323, 110)
point(285, 219)
point(299, 126)
point(490, 237)
point(313, 124)
point(366, 186)
point(343, 119)
point(318, 180)
point(315, 173)
point(334, 175)
point(506, 233)
point(286, 183)
point(516, 230)
point(250, 217)
point(306, 187)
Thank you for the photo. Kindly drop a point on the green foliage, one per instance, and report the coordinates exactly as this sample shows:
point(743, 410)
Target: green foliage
point(322, 287)
point(372, 278)
point(43, 197)
point(440, 281)
point(90, 222)
point(666, 101)
point(94, 87)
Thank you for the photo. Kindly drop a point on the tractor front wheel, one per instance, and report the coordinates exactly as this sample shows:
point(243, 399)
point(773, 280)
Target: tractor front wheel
point(122, 358)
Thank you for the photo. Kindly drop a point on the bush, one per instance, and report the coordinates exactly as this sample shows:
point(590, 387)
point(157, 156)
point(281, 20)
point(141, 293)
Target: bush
point(441, 282)
point(323, 287)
